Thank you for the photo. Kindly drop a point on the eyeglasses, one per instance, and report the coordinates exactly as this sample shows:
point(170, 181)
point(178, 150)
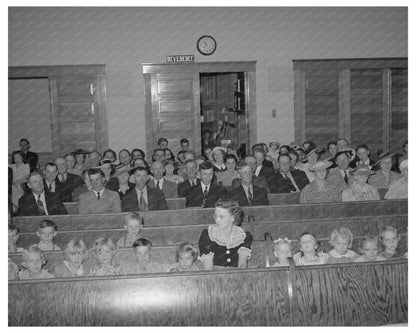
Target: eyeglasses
point(219, 216)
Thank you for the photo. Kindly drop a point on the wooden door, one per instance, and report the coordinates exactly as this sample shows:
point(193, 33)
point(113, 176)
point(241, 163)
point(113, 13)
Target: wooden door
point(77, 115)
point(399, 119)
point(176, 110)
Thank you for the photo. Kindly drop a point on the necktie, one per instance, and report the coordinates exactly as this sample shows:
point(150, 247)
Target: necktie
point(50, 187)
point(250, 197)
point(98, 195)
point(40, 206)
point(142, 203)
point(158, 185)
point(346, 177)
point(204, 201)
point(289, 183)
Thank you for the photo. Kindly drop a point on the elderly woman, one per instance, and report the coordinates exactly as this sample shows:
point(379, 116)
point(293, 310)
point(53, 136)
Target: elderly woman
point(224, 244)
point(360, 190)
point(398, 189)
point(226, 177)
point(384, 177)
point(319, 190)
point(218, 158)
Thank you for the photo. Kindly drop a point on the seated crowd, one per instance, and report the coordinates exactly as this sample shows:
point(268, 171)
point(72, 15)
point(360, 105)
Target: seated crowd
point(111, 183)
point(219, 179)
point(222, 245)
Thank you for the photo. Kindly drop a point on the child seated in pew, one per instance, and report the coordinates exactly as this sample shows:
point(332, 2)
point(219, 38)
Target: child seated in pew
point(104, 251)
point(13, 237)
point(369, 248)
point(13, 270)
point(133, 224)
point(282, 251)
point(309, 254)
point(46, 233)
point(142, 250)
point(390, 238)
point(33, 261)
point(341, 240)
point(186, 258)
point(74, 265)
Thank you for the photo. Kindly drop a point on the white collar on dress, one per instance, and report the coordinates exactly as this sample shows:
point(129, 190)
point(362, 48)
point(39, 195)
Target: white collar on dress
point(237, 236)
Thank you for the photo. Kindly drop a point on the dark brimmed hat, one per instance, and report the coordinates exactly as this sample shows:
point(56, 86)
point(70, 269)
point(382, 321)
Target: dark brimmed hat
point(80, 152)
point(104, 162)
point(384, 156)
point(122, 170)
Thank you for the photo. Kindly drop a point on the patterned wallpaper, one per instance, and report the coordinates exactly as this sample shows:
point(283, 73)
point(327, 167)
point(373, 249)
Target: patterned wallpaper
point(29, 114)
point(124, 38)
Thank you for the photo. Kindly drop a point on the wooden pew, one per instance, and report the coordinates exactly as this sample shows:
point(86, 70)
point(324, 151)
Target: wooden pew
point(173, 204)
point(174, 235)
point(350, 294)
point(204, 215)
point(180, 203)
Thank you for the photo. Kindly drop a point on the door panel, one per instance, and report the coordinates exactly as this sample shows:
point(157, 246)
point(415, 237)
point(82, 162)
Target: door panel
point(175, 109)
point(75, 113)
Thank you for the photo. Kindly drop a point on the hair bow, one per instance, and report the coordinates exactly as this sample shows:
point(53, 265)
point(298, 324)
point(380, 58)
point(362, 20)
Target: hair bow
point(282, 239)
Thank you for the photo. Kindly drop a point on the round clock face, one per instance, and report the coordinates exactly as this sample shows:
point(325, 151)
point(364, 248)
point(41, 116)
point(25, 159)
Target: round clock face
point(206, 45)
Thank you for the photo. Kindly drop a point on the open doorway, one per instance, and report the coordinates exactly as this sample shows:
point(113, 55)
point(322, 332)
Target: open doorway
point(223, 111)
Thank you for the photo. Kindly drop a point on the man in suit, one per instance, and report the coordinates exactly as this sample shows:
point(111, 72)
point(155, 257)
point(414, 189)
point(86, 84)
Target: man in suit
point(264, 167)
point(340, 177)
point(248, 194)
point(50, 183)
point(142, 197)
point(66, 182)
point(169, 189)
point(362, 158)
point(257, 181)
point(99, 200)
point(190, 181)
point(28, 156)
point(206, 193)
point(286, 180)
point(37, 201)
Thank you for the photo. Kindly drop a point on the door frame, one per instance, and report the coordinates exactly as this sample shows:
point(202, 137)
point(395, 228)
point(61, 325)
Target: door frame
point(249, 67)
point(50, 73)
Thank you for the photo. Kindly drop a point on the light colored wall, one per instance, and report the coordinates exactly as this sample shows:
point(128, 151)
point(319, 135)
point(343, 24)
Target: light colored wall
point(124, 38)
point(29, 114)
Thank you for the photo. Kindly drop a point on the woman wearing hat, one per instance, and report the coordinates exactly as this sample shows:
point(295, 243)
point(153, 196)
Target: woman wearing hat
point(109, 169)
point(218, 159)
point(385, 176)
point(319, 190)
point(79, 155)
point(123, 175)
point(360, 190)
point(309, 161)
point(398, 188)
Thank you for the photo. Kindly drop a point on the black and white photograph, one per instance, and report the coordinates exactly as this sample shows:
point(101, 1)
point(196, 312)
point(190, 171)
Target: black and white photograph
point(207, 164)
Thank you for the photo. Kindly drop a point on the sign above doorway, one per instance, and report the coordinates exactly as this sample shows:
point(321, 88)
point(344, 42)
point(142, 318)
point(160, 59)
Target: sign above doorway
point(180, 58)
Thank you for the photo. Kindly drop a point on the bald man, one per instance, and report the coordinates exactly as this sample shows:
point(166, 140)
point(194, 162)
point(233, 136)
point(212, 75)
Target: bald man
point(169, 189)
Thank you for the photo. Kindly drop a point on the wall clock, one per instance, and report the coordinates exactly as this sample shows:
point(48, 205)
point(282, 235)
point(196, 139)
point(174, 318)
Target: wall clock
point(206, 45)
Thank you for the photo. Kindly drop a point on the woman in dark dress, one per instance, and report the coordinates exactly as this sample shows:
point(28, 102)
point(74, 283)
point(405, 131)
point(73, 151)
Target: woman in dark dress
point(224, 244)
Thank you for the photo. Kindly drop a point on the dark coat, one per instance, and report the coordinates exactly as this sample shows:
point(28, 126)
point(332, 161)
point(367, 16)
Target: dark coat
point(184, 187)
point(67, 188)
point(155, 200)
point(279, 184)
point(196, 196)
point(29, 207)
point(260, 197)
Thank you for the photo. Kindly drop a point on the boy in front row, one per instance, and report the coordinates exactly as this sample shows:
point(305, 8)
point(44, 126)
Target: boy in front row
point(142, 250)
